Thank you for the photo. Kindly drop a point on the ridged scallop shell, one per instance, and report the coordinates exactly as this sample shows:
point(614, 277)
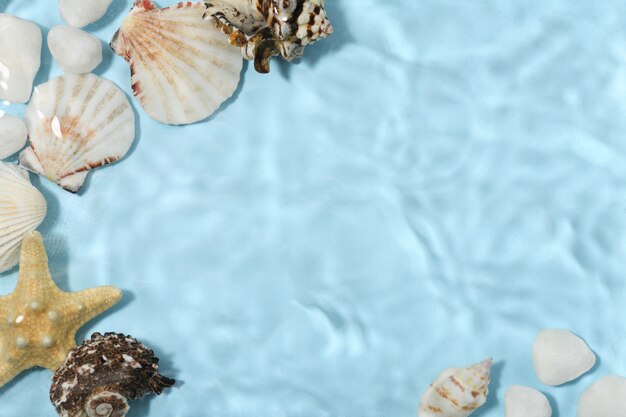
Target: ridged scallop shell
point(182, 67)
point(457, 392)
point(76, 123)
point(22, 209)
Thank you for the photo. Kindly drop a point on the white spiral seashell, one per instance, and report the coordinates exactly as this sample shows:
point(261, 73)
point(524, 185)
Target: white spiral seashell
point(22, 209)
point(107, 404)
point(182, 67)
point(457, 392)
point(76, 123)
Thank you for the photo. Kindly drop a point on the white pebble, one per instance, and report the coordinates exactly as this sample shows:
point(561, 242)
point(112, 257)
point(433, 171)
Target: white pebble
point(526, 402)
point(80, 13)
point(559, 356)
point(13, 135)
point(76, 51)
point(605, 398)
point(20, 57)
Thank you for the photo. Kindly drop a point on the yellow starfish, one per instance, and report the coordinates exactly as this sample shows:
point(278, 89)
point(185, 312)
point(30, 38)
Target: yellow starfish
point(38, 321)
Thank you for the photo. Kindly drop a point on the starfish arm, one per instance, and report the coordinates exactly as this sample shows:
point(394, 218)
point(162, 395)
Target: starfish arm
point(34, 276)
point(8, 371)
point(82, 306)
point(5, 302)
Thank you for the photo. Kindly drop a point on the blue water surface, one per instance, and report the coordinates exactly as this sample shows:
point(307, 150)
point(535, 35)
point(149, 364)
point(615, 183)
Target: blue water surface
point(431, 186)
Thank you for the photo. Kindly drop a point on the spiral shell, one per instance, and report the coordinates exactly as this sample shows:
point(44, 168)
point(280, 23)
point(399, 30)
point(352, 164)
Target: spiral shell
point(266, 28)
point(102, 375)
point(22, 209)
point(76, 123)
point(457, 392)
point(107, 404)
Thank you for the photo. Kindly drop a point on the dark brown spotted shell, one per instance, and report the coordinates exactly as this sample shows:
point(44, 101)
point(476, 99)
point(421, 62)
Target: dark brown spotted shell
point(102, 375)
point(266, 28)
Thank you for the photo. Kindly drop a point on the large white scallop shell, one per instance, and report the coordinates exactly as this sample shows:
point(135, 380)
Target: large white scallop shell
point(182, 67)
point(76, 123)
point(22, 209)
point(457, 392)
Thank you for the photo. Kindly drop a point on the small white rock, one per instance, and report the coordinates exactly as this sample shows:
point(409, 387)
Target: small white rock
point(76, 51)
point(559, 356)
point(80, 13)
point(526, 402)
point(13, 135)
point(604, 398)
point(20, 57)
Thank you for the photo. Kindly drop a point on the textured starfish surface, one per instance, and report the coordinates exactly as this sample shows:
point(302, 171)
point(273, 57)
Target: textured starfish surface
point(38, 321)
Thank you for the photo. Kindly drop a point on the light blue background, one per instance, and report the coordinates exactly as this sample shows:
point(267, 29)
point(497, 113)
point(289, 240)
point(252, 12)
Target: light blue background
point(431, 186)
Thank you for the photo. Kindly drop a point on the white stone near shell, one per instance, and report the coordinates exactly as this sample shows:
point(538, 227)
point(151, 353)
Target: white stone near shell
point(80, 13)
point(22, 209)
point(526, 402)
point(13, 135)
point(75, 50)
point(457, 392)
point(76, 122)
point(20, 57)
point(559, 356)
point(182, 67)
point(604, 398)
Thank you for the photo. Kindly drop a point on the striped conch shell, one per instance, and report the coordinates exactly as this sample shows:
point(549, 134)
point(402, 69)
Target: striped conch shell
point(22, 209)
point(182, 67)
point(456, 392)
point(76, 123)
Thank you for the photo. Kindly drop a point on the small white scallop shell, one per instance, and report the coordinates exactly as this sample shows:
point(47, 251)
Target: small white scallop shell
point(76, 123)
point(457, 392)
point(22, 209)
point(182, 67)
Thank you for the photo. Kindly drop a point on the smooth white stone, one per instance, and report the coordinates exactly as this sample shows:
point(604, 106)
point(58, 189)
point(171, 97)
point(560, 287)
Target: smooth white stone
point(559, 356)
point(526, 402)
point(20, 57)
point(604, 398)
point(80, 13)
point(13, 135)
point(75, 50)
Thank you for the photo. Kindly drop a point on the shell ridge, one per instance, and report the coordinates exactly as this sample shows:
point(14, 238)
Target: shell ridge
point(176, 82)
point(208, 76)
point(167, 67)
point(154, 78)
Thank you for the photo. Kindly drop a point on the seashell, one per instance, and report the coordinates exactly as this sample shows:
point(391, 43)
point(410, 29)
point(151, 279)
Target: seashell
point(457, 392)
point(559, 356)
point(13, 135)
point(20, 57)
point(182, 68)
point(266, 28)
point(22, 209)
point(76, 123)
point(80, 13)
point(604, 398)
point(76, 51)
point(102, 375)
